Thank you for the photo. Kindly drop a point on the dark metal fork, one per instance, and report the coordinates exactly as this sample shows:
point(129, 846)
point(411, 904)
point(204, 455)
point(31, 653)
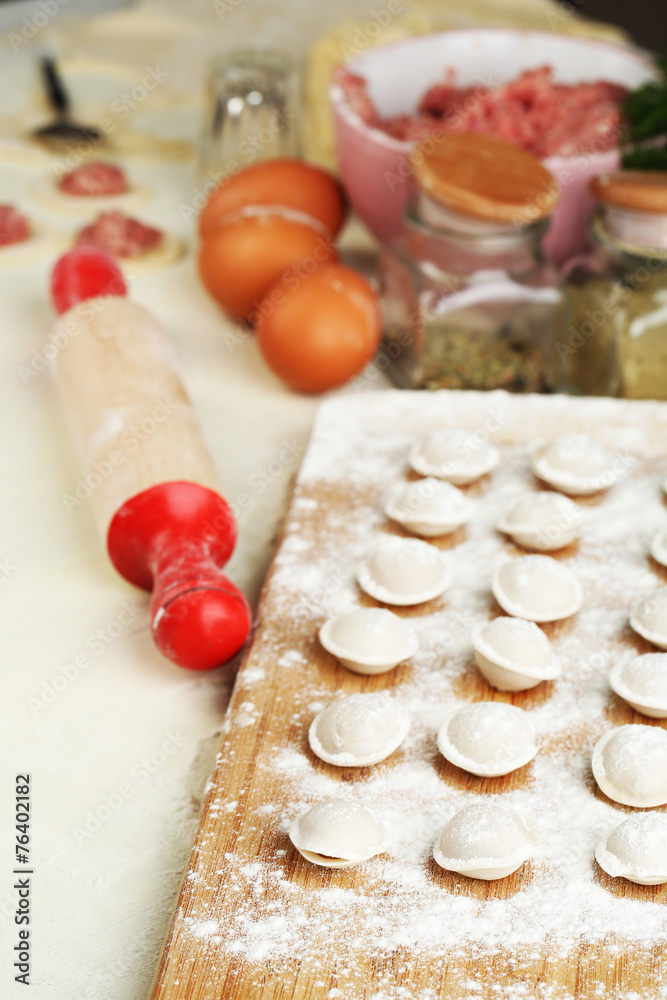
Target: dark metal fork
point(64, 129)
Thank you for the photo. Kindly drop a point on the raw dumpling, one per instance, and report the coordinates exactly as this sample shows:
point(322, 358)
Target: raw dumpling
point(358, 730)
point(485, 840)
point(458, 456)
point(514, 654)
point(369, 640)
point(576, 465)
point(642, 682)
point(542, 521)
point(537, 588)
point(404, 571)
point(429, 507)
point(630, 765)
point(636, 849)
point(338, 833)
point(488, 738)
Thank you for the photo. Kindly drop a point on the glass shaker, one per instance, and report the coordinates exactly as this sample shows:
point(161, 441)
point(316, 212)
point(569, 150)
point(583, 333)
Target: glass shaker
point(252, 112)
point(468, 300)
point(616, 341)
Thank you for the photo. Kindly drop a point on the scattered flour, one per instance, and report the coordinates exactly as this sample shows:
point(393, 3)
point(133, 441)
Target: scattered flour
point(398, 904)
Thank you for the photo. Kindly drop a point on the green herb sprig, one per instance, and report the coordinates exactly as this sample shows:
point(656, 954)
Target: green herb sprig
point(645, 112)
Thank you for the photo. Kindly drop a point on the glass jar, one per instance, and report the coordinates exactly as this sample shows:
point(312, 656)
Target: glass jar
point(616, 342)
point(470, 303)
point(251, 112)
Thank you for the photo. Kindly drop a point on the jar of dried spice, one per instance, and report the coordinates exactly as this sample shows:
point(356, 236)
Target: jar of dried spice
point(616, 341)
point(468, 300)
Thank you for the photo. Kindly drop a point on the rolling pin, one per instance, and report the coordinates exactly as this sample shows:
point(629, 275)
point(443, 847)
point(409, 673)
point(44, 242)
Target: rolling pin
point(153, 487)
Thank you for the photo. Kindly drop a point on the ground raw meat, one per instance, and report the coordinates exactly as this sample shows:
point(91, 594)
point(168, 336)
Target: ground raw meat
point(533, 112)
point(119, 235)
point(14, 227)
point(94, 179)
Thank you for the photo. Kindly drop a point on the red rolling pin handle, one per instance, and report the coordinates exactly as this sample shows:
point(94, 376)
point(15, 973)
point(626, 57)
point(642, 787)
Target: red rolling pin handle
point(174, 537)
point(84, 273)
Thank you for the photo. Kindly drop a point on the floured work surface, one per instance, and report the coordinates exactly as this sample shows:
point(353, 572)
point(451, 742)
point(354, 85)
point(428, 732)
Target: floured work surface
point(254, 920)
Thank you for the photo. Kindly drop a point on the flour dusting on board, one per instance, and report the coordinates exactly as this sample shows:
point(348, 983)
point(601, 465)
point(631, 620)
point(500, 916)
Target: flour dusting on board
point(400, 905)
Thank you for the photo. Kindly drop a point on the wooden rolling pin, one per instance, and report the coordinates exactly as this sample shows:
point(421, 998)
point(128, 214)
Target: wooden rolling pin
point(155, 493)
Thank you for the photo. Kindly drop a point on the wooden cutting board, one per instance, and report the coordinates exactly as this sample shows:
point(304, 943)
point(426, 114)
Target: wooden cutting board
point(253, 919)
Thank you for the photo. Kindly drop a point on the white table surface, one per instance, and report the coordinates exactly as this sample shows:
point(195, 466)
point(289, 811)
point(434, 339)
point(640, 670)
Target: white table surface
point(120, 746)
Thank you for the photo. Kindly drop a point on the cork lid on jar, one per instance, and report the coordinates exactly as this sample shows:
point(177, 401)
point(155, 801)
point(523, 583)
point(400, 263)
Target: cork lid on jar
point(638, 190)
point(484, 177)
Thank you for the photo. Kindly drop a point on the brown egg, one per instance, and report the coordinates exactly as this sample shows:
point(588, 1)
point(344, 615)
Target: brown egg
point(318, 330)
point(292, 184)
point(242, 258)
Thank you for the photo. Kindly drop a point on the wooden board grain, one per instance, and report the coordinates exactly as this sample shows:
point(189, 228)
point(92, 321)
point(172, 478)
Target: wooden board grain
point(253, 919)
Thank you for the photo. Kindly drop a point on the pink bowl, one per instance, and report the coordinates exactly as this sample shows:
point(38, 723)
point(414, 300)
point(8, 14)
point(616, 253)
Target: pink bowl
point(374, 166)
